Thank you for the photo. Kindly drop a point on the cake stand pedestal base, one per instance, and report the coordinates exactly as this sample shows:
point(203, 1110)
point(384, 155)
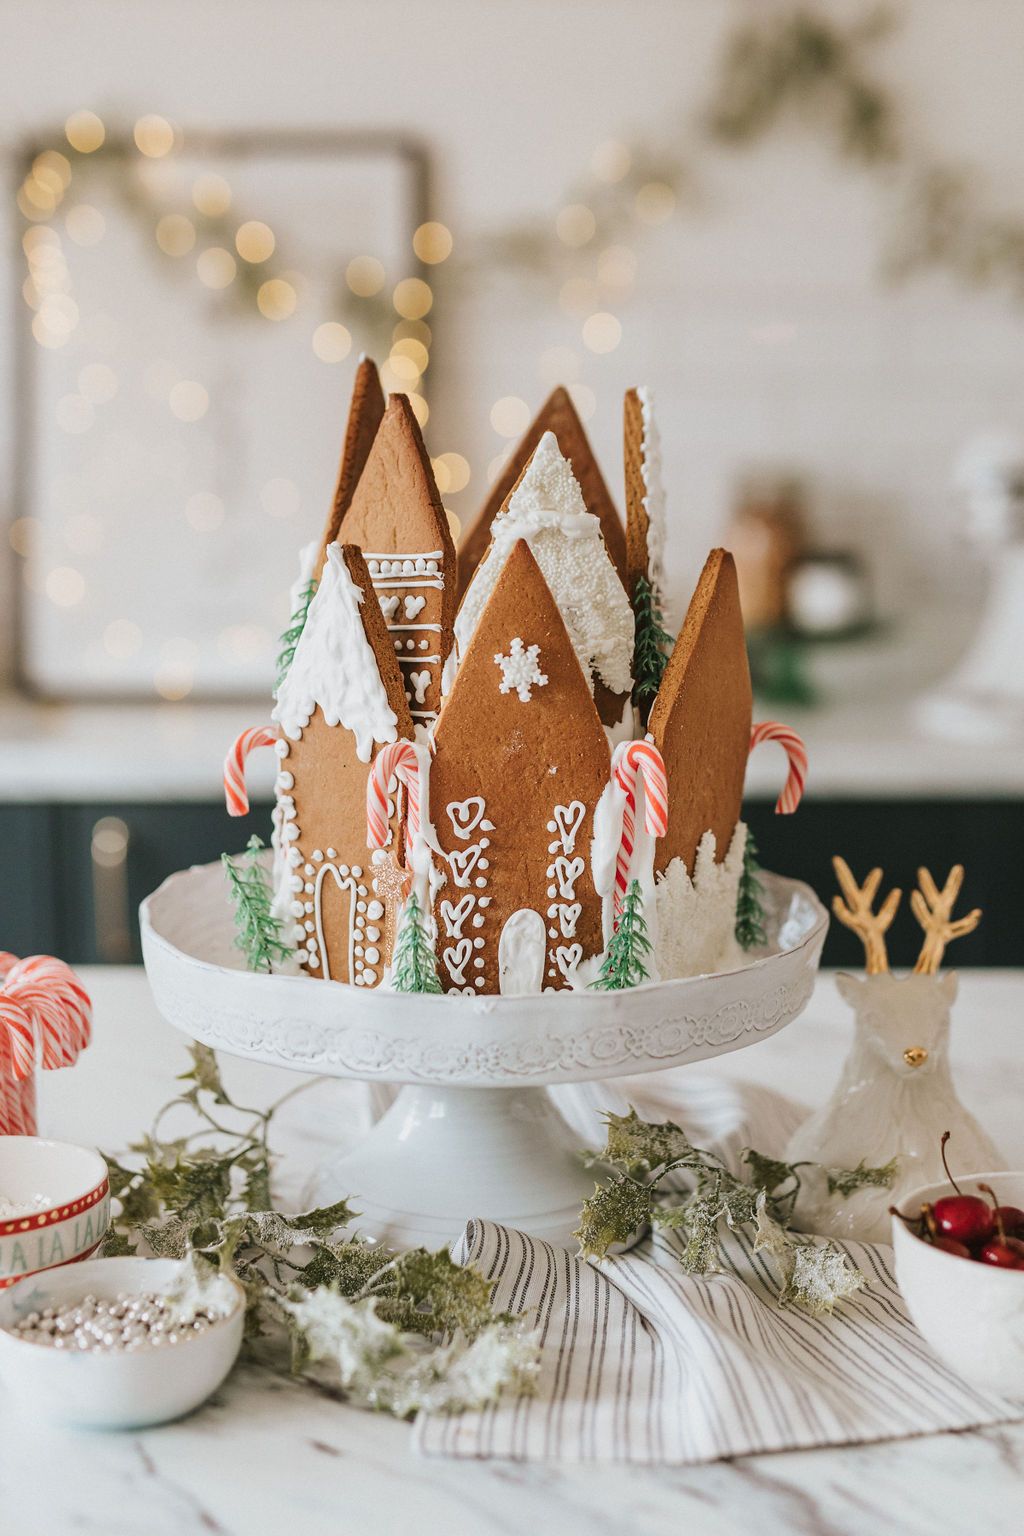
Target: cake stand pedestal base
point(442, 1155)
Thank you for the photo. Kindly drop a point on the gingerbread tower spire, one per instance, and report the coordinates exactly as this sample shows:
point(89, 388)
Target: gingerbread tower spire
point(396, 518)
point(700, 721)
point(548, 511)
point(557, 415)
point(520, 763)
point(645, 498)
point(343, 697)
point(364, 417)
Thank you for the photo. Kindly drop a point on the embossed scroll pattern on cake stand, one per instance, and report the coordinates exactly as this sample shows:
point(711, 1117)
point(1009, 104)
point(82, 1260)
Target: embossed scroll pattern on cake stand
point(472, 1131)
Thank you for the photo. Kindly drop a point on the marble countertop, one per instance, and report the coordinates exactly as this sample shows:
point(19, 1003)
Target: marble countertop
point(269, 1453)
point(145, 752)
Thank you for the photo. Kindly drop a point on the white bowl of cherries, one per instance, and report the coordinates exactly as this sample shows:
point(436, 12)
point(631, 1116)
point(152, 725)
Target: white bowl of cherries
point(960, 1265)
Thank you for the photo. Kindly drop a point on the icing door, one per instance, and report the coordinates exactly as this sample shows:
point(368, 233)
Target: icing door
point(522, 948)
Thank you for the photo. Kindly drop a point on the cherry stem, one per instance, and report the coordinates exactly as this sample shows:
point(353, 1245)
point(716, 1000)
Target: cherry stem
point(928, 1217)
point(996, 1213)
point(910, 1221)
point(949, 1176)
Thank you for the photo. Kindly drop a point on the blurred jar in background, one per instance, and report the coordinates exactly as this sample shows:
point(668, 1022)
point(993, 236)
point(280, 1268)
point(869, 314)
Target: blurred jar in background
point(767, 534)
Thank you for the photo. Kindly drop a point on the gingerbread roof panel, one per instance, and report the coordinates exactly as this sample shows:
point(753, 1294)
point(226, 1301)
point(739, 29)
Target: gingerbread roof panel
point(701, 717)
point(557, 415)
point(366, 411)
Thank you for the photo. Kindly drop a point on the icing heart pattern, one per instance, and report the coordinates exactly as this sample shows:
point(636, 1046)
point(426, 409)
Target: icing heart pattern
point(567, 958)
point(565, 872)
point(456, 958)
point(454, 914)
point(419, 682)
point(568, 915)
point(414, 604)
point(466, 815)
point(389, 605)
point(566, 822)
point(463, 862)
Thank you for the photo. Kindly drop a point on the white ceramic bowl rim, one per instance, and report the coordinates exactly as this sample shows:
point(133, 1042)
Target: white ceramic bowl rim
point(93, 1272)
point(927, 1194)
point(34, 1151)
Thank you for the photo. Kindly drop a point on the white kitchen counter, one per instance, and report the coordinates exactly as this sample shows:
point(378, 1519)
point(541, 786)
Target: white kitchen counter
point(269, 1454)
point(115, 753)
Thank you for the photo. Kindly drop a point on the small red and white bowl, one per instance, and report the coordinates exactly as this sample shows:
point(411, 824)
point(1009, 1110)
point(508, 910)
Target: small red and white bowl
point(54, 1205)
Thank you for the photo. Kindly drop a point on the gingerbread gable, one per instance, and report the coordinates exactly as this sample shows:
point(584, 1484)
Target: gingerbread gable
point(700, 721)
point(329, 737)
point(557, 415)
point(645, 508)
point(520, 762)
point(397, 520)
point(364, 417)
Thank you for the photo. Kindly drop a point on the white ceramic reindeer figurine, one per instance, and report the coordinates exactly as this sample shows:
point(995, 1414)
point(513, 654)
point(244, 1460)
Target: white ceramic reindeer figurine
point(895, 1094)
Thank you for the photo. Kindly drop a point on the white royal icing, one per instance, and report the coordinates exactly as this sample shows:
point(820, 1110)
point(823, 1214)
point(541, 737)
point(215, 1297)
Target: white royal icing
point(697, 918)
point(548, 511)
point(334, 667)
point(654, 490)
point(520, 670)
point(521, 950)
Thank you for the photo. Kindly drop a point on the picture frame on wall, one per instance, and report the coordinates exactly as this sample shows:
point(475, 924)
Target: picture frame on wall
point(185, 338)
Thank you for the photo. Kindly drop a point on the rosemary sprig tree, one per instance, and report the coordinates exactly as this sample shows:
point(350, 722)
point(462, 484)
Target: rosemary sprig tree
point(750, 931)
point(290, 638)
point(624, 963)
point(415, 965)
point(651, 648)
point(259, 931)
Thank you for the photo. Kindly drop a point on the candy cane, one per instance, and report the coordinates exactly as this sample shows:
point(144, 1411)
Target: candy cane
point(398, 758)
point(234, 766)
point(54, 997)
point(17, 1107)
point(17, 1039)
point(796, 752)
point(632, 760)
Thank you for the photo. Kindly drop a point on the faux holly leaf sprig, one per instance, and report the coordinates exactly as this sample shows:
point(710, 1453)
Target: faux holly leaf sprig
point(405, 1331)
point(293, 633)
point(259, 934)
point(651, 647)
point(625, 960)
point(750, 929)
point(662, 1179)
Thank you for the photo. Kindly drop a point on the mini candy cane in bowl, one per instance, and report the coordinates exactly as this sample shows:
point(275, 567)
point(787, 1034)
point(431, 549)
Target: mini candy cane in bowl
point(45, 1020)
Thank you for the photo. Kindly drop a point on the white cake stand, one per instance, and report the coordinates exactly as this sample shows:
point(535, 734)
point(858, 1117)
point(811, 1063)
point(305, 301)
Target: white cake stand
point(473, 1131)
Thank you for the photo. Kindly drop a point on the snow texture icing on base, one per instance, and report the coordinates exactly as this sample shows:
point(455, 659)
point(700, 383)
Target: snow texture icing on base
point(334, 667)
point(697, 918)
point(548, 511)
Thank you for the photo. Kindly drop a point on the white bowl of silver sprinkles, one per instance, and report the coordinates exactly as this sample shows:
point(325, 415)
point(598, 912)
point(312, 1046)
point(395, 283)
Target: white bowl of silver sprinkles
point(118, 1343)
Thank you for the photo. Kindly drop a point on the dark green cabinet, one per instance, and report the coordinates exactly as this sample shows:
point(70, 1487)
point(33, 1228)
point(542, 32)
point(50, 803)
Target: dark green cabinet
point(73, 874)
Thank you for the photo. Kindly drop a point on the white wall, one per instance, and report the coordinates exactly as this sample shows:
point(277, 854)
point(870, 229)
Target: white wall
point(758, 318)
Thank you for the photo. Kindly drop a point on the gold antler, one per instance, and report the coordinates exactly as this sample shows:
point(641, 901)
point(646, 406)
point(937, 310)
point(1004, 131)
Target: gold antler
point(932, 908)
point(856, 913)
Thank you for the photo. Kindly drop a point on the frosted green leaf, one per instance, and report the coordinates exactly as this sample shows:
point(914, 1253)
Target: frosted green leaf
point(639, 1146)
point(843, 1181)
point(613, 1214)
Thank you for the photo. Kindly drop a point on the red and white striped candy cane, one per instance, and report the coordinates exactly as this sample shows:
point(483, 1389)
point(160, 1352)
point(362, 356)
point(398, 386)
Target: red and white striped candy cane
point(17, 1106)
point(234, 766)
point(630, 760)
point(54, 997)
point(398, 758)
point(796, 752)
point(17, 1039)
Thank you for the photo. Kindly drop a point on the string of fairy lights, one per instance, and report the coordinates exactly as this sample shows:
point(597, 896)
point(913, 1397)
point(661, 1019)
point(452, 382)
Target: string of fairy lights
point(241, 260)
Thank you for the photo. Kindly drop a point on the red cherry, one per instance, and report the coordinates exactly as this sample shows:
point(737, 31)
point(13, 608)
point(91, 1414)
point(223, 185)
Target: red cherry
point(1003, 1253)
point(950, 1245)
point(1010, 1218)
point(966, 1218)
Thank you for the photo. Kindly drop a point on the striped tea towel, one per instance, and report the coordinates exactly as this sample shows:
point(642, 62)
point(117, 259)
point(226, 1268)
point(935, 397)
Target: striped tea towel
point(642, 1362)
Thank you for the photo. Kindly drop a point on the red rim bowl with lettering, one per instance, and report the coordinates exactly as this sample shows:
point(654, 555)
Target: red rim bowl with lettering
point(54, 1205)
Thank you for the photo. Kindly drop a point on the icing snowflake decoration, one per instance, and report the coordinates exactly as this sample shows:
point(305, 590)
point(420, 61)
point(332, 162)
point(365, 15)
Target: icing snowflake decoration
point(519, 670)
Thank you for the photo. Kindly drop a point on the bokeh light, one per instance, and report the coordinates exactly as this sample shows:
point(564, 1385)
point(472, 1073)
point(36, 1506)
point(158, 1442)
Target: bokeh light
point(84, 131)
point(188, 400)
point(255, 241)
point(211, 195)
point(365, 276)
point(175, 235)
point(216, 267)
point(432, 242)
point(65, 586)
point(412, 298)
point(85, 225)
point(601, 332)
point(331, 342)
point(575, 225)
point(276, 299)
point(154, 136)
point(510, 416)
